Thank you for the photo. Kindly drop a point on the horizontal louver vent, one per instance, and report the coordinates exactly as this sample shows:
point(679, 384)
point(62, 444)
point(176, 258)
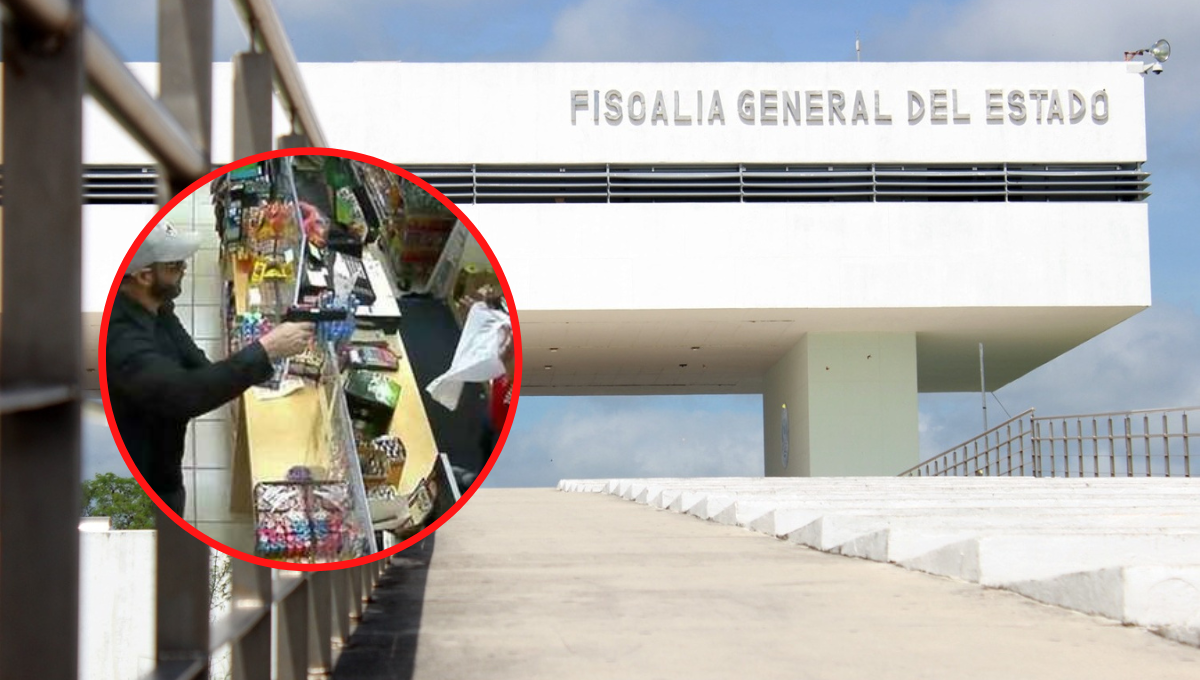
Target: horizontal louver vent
point(116, 185)
point(786, 183)
point(723, 183)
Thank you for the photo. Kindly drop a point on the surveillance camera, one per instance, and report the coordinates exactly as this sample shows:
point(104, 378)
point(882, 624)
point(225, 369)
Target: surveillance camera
point(1153, 67)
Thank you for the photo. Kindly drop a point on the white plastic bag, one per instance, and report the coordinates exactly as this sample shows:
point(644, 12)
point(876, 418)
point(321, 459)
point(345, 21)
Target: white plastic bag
point(477, 358)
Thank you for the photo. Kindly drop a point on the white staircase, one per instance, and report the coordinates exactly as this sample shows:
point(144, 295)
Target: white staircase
point(1123, 548)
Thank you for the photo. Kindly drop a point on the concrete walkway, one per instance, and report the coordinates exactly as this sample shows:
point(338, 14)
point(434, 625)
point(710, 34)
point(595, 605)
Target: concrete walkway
point(543, 584)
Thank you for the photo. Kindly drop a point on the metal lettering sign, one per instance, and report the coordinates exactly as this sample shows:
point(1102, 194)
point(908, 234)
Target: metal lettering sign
point(815, 108)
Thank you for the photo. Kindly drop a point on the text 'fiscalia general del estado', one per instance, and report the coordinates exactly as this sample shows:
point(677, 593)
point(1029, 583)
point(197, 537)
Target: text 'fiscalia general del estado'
point(838, 107)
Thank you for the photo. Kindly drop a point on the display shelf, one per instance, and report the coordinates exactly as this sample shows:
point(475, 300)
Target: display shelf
point(309, 430)
point(386, 305)
point(273, 434)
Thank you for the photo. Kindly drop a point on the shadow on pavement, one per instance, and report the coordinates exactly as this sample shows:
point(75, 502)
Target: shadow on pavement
point(384, 646)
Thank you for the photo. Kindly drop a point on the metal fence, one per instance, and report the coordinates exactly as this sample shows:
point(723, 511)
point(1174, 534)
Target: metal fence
point(1145, 443)
point(281, 624)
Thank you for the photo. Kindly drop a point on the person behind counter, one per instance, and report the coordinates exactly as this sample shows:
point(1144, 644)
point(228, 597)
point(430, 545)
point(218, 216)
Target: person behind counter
point(158, 379)
point(499, 390)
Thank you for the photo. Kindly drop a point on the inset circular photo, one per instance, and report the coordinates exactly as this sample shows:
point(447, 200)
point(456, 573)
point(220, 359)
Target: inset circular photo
point(310, 358)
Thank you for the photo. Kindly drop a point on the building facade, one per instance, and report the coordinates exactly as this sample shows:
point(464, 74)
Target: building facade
point(837, 237)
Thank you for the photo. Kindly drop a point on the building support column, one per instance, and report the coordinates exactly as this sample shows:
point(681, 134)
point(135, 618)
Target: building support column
point(842, 404)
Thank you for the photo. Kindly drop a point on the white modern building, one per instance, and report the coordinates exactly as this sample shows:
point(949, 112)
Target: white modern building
point(835, 236)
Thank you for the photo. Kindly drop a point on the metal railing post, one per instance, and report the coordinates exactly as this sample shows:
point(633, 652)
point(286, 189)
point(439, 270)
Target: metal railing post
point(252, 110)
point(182, 597)
point(294, 140)
point(1021, 447)
point(292, 616)
point(1146, 440)
point(267, 32)
point(1112, 450)
point(355, 593)
point(252, 119)
point(1129, 445)
point(320, 625)
point(1008, 444)
point(366, 585)
point(1035, 442)
point(1166, 445)
point(1187, 454)
point(1053, 451)
point(1079, 437)
point(251, 652)
point(41, 366)
point(185, 29)
point(185, 54)
point(341, 608)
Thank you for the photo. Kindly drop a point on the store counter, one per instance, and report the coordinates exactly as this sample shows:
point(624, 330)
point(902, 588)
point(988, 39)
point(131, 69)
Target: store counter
point(277, 434)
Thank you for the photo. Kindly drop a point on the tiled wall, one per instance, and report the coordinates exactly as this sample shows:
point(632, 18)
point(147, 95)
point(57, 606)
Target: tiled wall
point(207, 458)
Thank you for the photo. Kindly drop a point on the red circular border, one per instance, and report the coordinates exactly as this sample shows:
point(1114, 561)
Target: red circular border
point(310, 151)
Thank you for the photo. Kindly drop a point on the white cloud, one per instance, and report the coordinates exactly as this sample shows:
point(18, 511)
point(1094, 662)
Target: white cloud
point(229, 35)
point(1148, 362)
point(1067, 30)
point(1021, 30)
point(628, 438)
point(623, 30)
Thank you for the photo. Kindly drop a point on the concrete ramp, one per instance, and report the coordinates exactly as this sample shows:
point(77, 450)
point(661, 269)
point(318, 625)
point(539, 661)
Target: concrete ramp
point(1123, 548)
point(543, 584)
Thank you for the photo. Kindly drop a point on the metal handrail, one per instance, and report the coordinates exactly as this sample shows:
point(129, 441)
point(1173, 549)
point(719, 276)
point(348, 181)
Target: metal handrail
point(958, 447)
point(121, 94)
point(48, 15)
point(1146, 452)
point(266, 31)
point(1122, 413)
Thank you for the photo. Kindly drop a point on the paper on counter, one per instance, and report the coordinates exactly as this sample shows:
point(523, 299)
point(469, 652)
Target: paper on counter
point(287, 387)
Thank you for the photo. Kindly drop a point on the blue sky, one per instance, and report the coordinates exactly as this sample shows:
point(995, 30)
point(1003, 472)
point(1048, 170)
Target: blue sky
point(1149, 361)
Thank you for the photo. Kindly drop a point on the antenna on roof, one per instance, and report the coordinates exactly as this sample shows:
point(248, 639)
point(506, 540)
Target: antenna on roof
point(857, 48)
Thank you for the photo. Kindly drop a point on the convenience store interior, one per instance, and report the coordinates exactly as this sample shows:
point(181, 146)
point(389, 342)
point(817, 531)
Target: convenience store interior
point(429, 331)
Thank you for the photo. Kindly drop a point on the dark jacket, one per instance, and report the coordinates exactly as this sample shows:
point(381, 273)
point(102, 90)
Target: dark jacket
point(158, 380)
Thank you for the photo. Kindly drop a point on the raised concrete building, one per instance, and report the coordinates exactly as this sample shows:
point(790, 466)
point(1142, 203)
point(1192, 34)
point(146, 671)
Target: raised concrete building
point(837, 236)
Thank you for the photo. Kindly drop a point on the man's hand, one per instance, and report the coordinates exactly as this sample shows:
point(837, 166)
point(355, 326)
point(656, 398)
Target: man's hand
point(288, 339)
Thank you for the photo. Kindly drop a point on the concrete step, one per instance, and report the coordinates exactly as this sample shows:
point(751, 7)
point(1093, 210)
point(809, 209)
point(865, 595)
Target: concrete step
point(1164, 598)
point(871, 484)
point(899, 545)
point(843, 524)
point(1000, 559)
